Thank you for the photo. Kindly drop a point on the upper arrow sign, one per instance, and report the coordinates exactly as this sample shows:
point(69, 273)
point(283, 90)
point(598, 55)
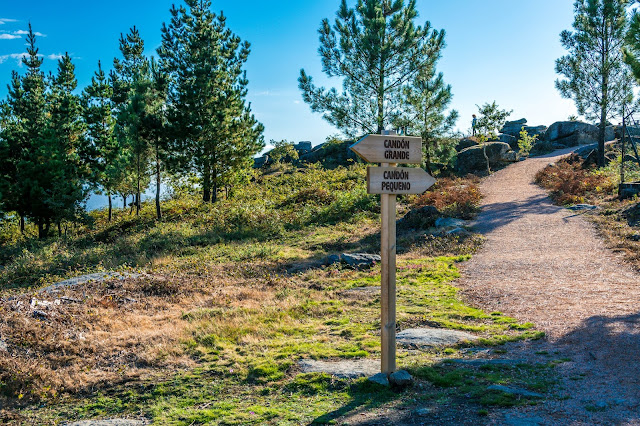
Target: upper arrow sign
point(389, 149)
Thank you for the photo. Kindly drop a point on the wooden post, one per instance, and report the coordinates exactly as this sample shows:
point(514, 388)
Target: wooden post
point(388, 280)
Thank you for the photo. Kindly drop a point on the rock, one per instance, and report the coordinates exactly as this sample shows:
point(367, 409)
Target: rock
point(430, 337)
point(466, 143)
point(401, 378)
point(97, 277)
point(39, 315)
point(423, 412)
point(449, 222)
point(519, 420)
point(380, 379)
point(535, 130)
point(635, 237)
point(513, 127)
point(109, 422)
point(303, 147)
point(362, 293)
point(424, 217)
point(481, 362)
point(473, 158)
point(510, 157)
point(360, 260)
point(260, 161)
point(457, 231)
point(348, 369)
point(333, 259)
point(628, 190)
point(511, 140)
point(515, 391)
point(574, 133)
point(582, 207)
point(3, 346)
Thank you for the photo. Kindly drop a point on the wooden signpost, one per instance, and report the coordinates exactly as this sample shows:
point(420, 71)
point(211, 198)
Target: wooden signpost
point(389, 181)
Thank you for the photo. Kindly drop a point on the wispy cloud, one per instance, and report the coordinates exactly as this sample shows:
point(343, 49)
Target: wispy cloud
point(17, 56)
point(55, 56)
point(23, 32)
point(9, 36)
point(5, 20)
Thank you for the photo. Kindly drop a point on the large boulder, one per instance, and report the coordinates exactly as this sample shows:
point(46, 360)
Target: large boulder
point(513, 127)
point(574, 133)
point(535, 130)
point(466, 143)
point(510, 139)
point(473, 159)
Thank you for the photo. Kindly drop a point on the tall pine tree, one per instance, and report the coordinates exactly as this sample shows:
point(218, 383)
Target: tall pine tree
point(377, 50)
point(597, 79)
point(211, 125)
point(130, 82)
point(103, 153)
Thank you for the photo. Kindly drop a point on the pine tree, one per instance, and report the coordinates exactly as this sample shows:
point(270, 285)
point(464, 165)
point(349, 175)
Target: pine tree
point(596, 77)
point(130, 81)
point(377, 50)
point(63, 146)
point(30, 196)
point(212, 129)
point(427, 99)
point(103, 153)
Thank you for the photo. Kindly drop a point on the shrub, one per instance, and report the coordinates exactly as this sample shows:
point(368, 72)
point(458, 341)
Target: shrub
point(455, 197)
point(570, 183)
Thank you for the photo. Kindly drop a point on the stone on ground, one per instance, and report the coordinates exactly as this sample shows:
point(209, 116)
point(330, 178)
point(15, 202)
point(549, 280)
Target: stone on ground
point(401, 378)
point(109, 422)
point(98, 277)
point(430, 337)
point(348, 369)
point(381, 378)
point(515, 391)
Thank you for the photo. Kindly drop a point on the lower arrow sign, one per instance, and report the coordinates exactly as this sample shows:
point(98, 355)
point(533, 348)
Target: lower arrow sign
point(398, 180)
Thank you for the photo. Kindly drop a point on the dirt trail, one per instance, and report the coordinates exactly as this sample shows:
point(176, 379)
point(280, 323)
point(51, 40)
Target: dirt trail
point(545, 264)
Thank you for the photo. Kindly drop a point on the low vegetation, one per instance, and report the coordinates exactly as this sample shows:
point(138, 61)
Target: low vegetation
point(229, 298)
point(571, 181)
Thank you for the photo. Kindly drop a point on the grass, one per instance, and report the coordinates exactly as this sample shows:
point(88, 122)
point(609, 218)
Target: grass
point(232, 296)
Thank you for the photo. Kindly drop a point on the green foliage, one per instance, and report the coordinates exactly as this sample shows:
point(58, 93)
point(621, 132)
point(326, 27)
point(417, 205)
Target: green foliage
point(212, 128)
point(526, 142)
point(491, 118)
point(376, 50)
point(595, 76)
point(283, 151)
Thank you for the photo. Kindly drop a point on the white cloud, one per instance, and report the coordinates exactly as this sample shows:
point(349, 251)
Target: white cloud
point(55, 57)
point(9, 36)
point(23, 32)
point(5, 20)
point(17, 56)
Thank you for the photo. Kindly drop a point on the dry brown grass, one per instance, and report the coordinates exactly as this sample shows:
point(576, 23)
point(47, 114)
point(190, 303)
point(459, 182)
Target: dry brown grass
point(455, 197)
point(570, 183)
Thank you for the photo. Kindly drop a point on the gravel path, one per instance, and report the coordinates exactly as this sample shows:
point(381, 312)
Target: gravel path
point(545, 264)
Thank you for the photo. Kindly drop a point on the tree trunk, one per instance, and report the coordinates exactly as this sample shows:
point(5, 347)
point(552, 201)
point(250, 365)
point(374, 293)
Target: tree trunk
point(158, 211)
point(124, 202)
point(214, 181)
point(138, 188)
point(110, 206)
point(22, 224)
point(41, 233)
point(206, 183)
point(59, 229)
point(601, 137)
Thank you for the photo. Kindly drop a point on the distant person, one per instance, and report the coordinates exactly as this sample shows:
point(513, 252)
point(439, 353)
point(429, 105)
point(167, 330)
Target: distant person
point(474, 123)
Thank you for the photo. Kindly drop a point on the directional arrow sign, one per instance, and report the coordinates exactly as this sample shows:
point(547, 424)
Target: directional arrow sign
point(389, 149)
point(398, 180)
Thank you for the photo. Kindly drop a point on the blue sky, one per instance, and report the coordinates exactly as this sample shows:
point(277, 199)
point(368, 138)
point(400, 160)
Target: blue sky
point(502, 50)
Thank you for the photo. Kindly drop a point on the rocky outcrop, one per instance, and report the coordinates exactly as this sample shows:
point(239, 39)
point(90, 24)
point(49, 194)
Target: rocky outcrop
point(467, 143)
point(574, 133)
point(513, 128)
point(473, 159)
point(511, 140)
